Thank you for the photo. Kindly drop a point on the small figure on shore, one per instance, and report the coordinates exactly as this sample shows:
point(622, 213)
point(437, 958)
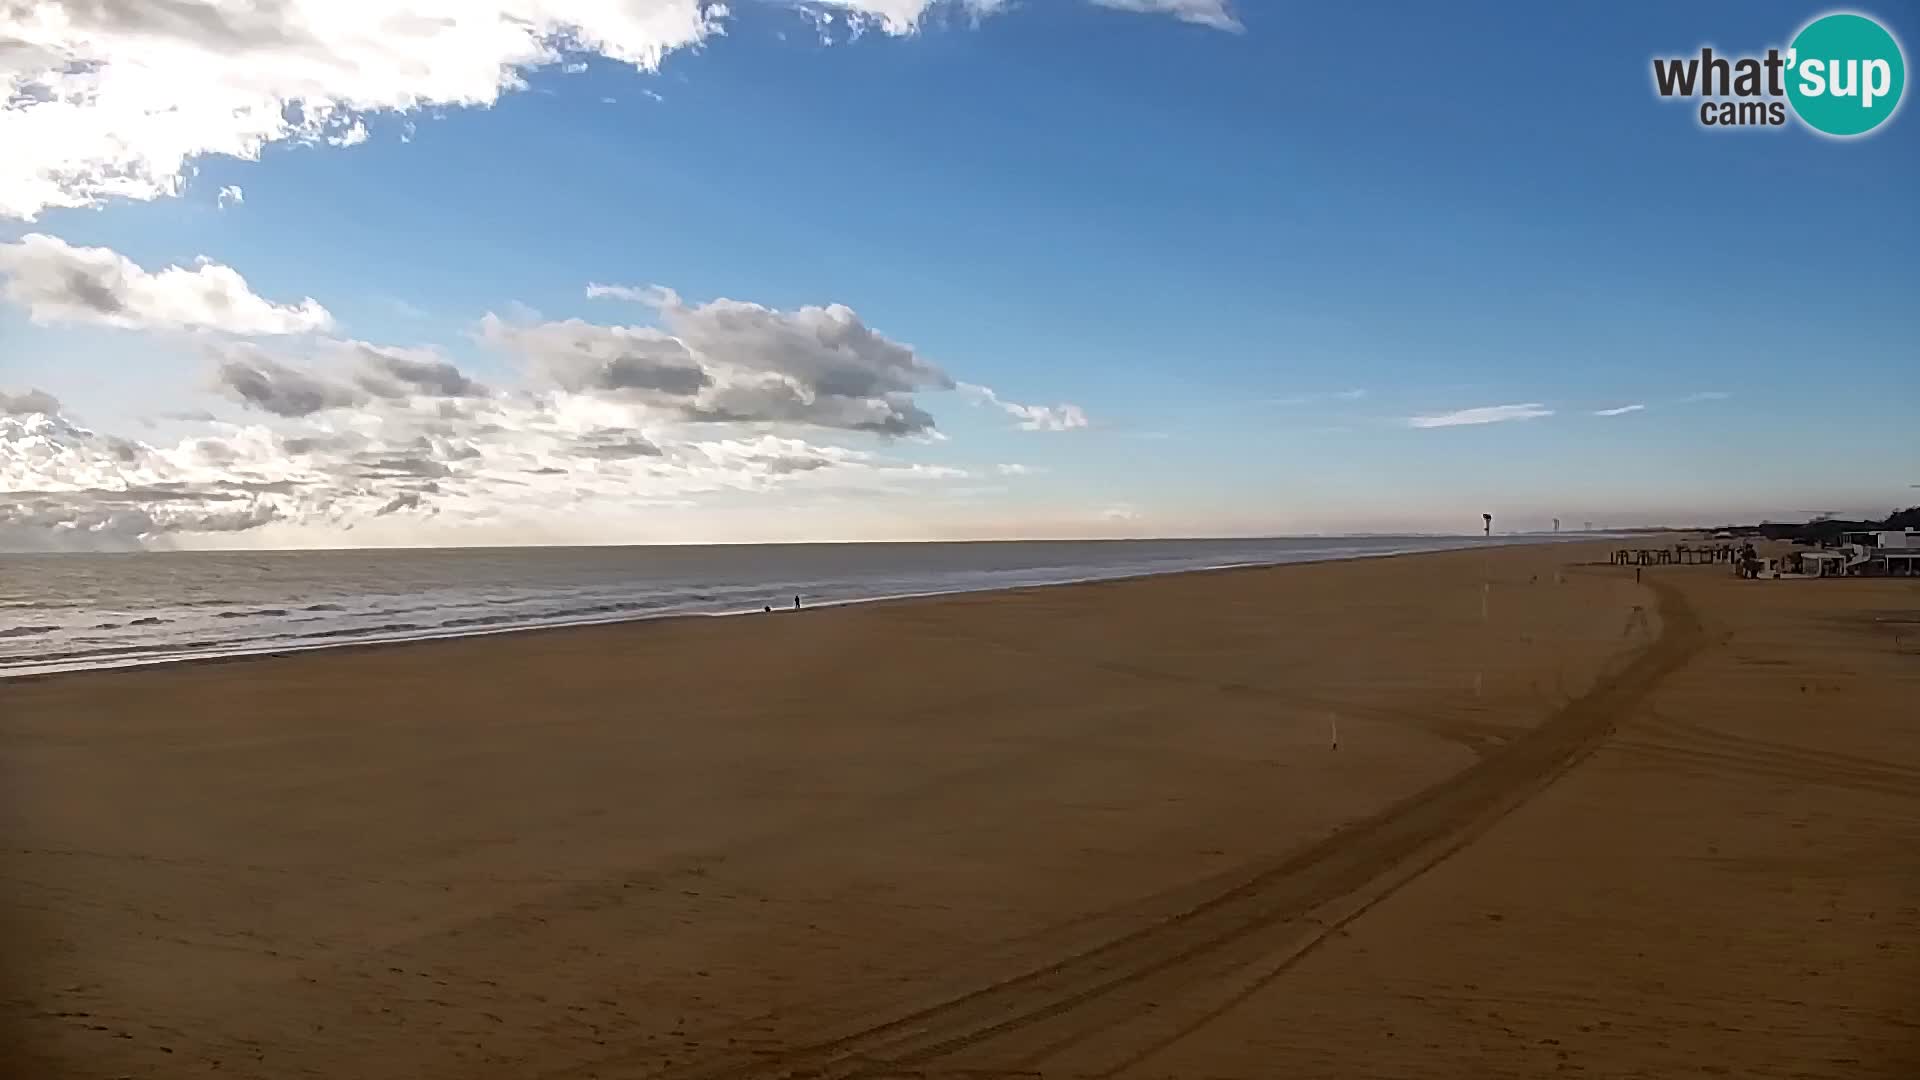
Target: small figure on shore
point(769, 609)
point(796, 603)
point(1637, 623)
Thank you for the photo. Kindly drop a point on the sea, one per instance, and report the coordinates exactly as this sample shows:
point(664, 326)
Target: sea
point(61, 612)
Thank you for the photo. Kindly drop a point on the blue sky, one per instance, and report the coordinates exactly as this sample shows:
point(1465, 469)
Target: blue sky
point(1249, 256)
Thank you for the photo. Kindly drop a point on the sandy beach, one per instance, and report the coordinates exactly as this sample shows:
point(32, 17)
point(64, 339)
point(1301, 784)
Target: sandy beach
point(1475, 814)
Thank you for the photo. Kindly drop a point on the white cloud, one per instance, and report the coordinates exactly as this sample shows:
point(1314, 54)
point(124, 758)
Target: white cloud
point(70, 487)
point(103, 99)
point(1319, 396)
point(1485, 414)
point(116, 99)
point(1620, 411)
point(56, 282)
point(552, 465)
point(356, 442)
point(901, 16)
point(649, 295)
point(1062, 417)
point(354, 134)
point(1215, 13)
point(231, 195)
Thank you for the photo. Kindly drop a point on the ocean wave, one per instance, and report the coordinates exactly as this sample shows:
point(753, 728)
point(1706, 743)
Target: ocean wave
point(104, 652)
point(272, 612)
point(27, 631)
point(323, 607)
point(358, 631)
point(479, 620)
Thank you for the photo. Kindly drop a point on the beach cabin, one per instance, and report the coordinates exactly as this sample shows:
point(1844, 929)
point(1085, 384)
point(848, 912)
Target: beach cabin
point(1817, 564)
point(1900, 551)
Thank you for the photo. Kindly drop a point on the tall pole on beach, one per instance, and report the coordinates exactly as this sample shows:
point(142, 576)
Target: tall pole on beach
point(1486, 590)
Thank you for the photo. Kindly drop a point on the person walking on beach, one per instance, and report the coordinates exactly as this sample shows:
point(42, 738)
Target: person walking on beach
point(796, 602)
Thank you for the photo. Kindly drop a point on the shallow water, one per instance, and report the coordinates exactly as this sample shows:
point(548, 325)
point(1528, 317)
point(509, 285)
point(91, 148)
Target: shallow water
point(66, 611)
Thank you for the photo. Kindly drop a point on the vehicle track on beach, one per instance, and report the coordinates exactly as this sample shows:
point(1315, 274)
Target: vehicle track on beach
point(1120, 1002)
point(1661, 737)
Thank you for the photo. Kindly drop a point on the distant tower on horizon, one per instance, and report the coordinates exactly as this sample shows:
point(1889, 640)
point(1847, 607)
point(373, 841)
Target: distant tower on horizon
point(1556, 524)
point(1487, 523)
point(1588, 527)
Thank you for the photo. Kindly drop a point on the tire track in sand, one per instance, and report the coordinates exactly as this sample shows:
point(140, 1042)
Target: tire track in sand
point(1203, 960)
point(1692, 746)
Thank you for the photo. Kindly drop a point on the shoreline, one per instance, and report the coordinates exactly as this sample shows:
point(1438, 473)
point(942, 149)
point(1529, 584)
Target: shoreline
point(242, 652)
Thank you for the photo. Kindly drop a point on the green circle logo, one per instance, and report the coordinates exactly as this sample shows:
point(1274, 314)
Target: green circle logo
point(1845, 74)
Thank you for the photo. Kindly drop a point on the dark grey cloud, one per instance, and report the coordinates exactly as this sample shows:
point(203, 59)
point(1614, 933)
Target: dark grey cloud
point(252, 376)
point(262, 487)
point(157, 493)
point(585, 357)
point(88, 289)
point(321, 444)
point(29, 401)
point(785, 465)
point(74, 520)
point(255, 379)
point(406, 500)
point(162, 492)
point(213, 451)
point(262, 24)
point(395, 373)
point(399, 464)
point(730, 362)
point(827, 351)
point(782, 402)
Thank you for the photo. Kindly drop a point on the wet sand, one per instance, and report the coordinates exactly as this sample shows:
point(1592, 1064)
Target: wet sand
point(1090, 830)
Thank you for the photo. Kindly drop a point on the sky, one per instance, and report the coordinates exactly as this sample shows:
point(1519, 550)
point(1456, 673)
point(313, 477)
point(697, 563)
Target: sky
point(314, 273)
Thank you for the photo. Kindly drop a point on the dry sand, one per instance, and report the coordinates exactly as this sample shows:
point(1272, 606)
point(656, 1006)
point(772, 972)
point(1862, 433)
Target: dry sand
point(1084, 831)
